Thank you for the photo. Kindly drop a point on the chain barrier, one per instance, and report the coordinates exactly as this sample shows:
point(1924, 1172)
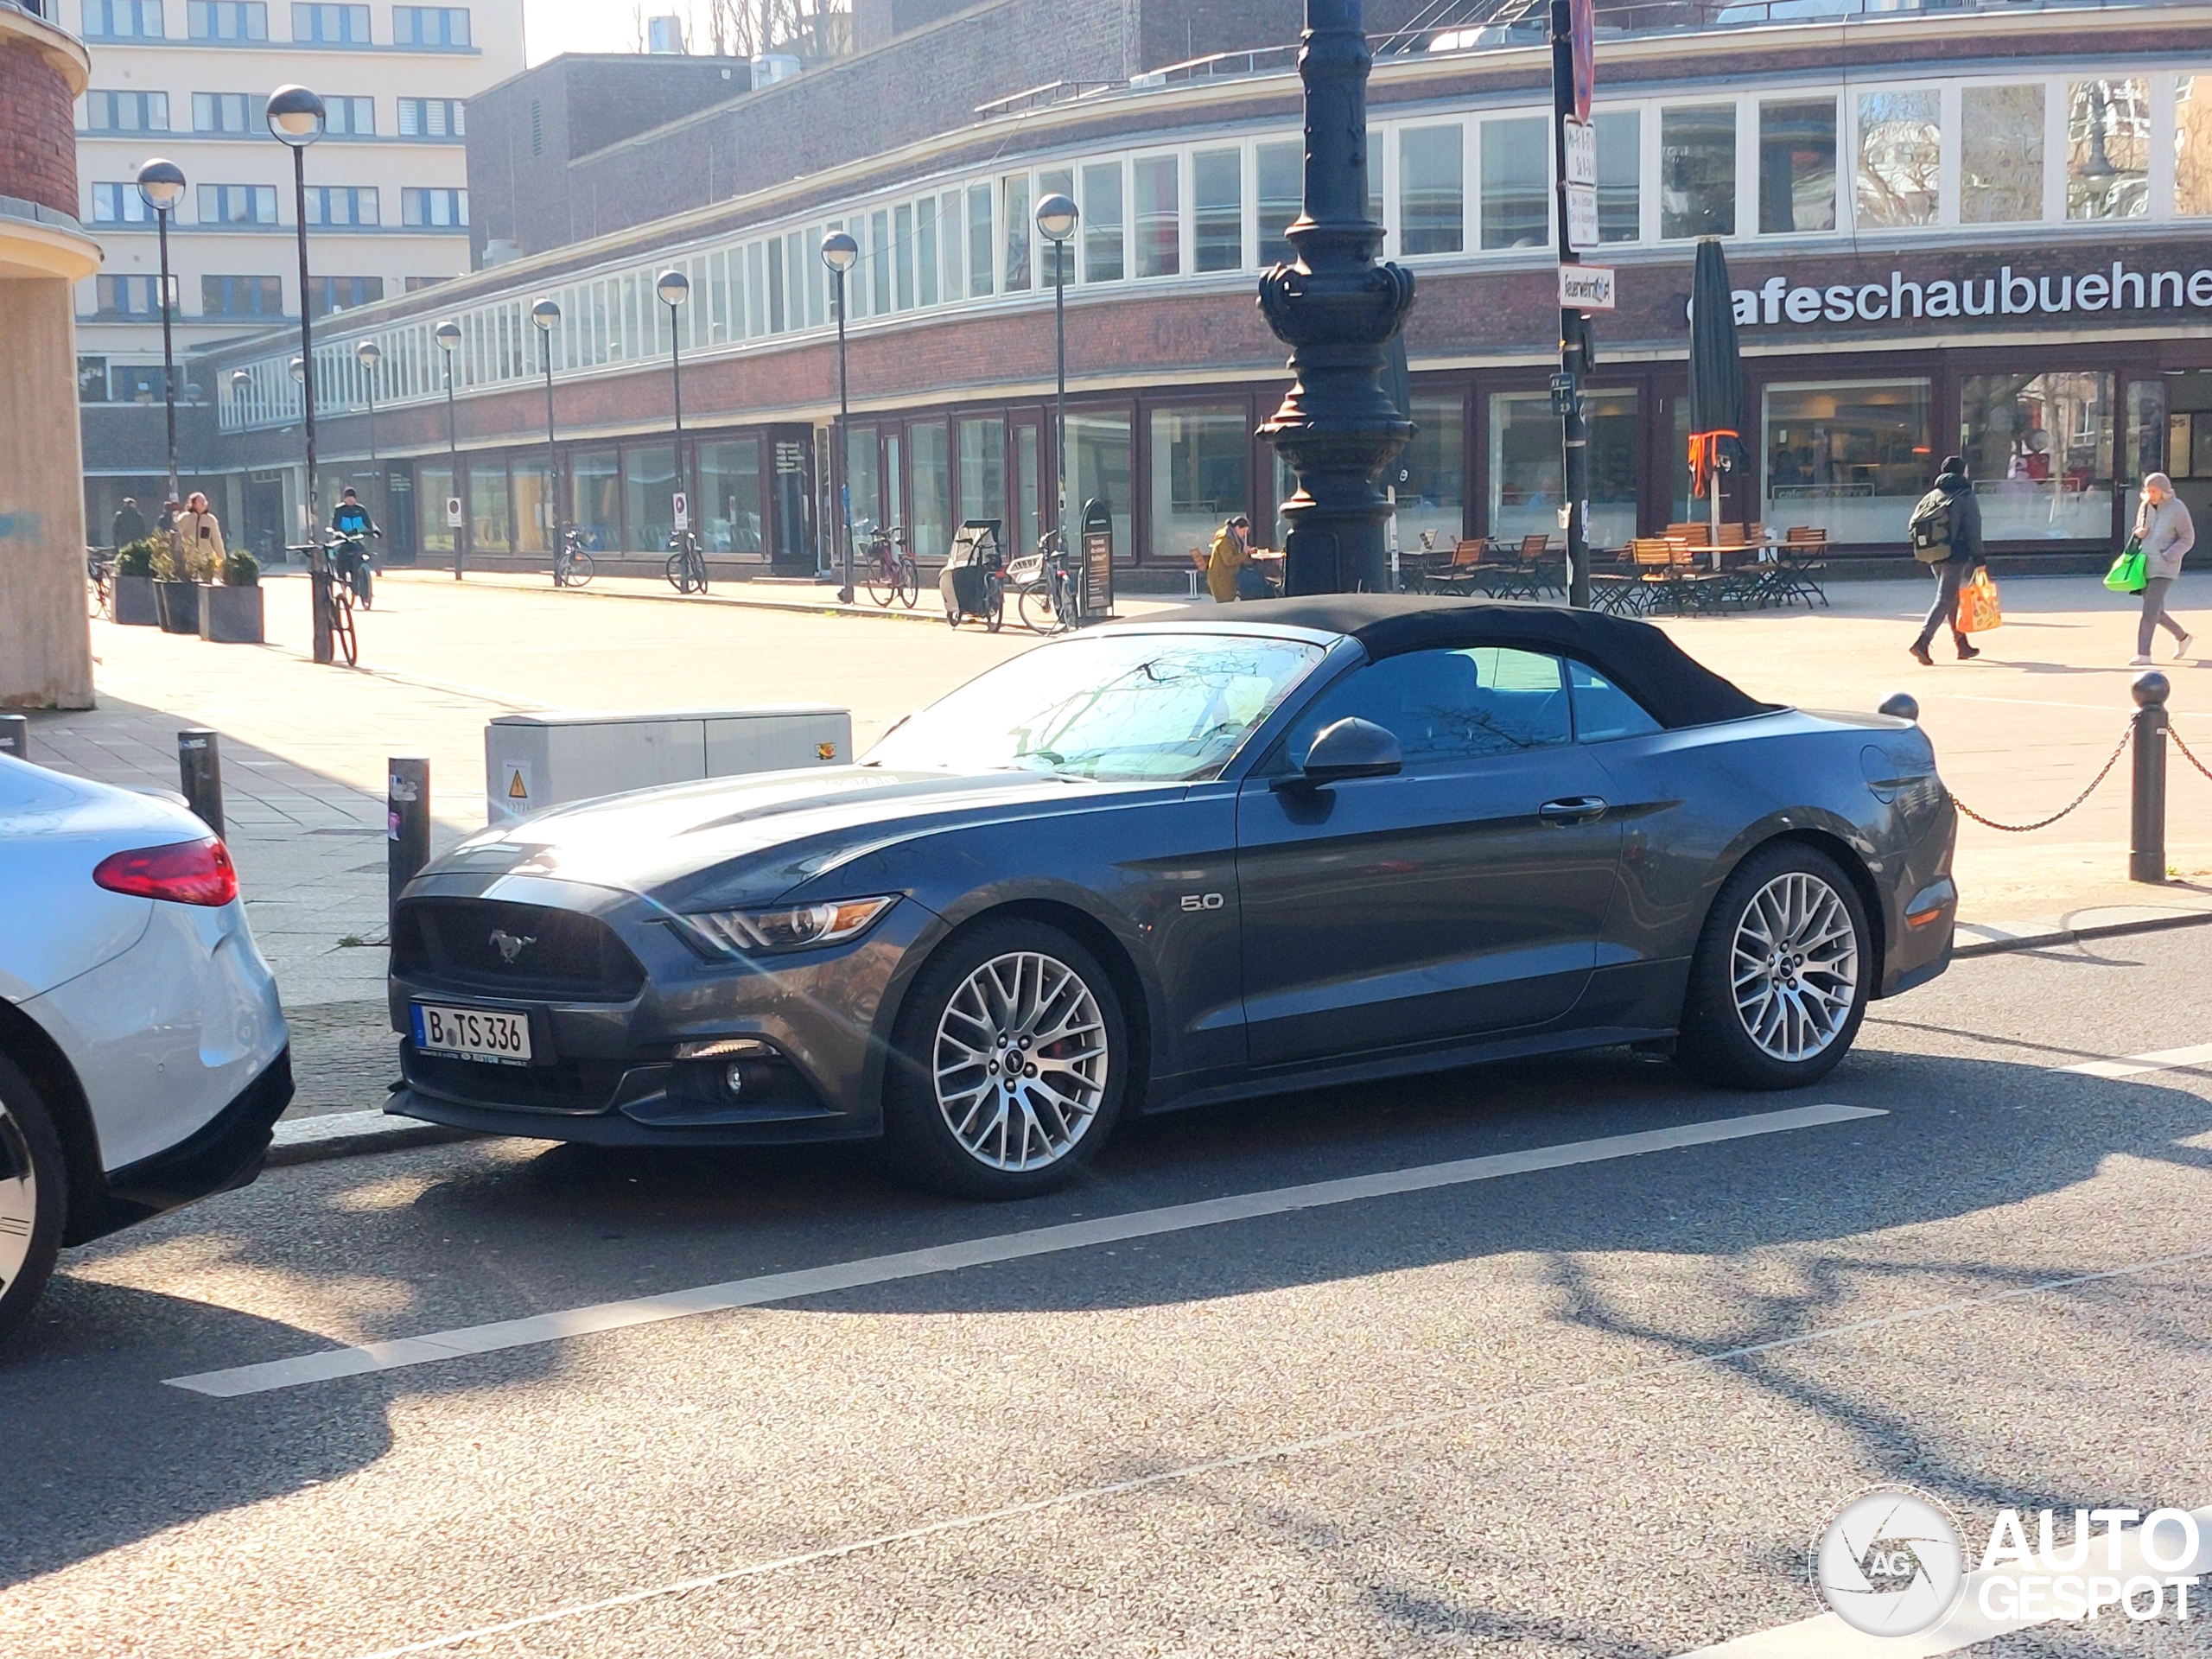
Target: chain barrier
point(2185, 755)
point(2118, 749)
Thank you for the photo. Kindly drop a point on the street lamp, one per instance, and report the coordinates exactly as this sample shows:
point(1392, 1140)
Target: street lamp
point(296, 119)
point(546, 314)
point(369, 355)
point(674, 289)
point(839, 252)
point(1056, 218)
point(160, 186)
point(447, 334)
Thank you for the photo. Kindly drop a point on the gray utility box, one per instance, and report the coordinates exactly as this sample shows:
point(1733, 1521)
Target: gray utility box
point(534, 761)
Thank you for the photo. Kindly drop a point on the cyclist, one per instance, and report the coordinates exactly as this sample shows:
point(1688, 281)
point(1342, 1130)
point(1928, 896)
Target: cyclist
point(351, 519)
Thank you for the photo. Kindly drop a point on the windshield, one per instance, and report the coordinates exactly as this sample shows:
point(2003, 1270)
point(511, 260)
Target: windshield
point(1164, 707)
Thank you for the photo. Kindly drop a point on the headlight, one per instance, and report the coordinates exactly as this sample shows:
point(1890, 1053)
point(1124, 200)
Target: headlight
point(796, 927)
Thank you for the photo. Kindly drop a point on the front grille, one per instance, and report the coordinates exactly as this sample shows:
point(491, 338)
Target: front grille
point(572, 1086)
point(556, 953)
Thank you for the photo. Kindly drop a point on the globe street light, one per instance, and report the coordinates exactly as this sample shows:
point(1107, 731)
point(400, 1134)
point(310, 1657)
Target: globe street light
point(295, 120)
point(839, 251)
point(1056, 218)
point(369, 355)
point(546, 314)
point(160, 186)
point(674, 289)
point(447, 334)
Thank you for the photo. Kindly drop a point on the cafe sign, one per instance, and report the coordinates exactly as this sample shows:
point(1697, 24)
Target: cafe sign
point(1780, 302)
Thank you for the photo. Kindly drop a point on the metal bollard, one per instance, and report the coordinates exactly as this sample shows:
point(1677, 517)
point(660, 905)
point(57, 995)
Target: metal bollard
point(200, 763)
point(2147, 840)
point(16, 735)
point(407, 821)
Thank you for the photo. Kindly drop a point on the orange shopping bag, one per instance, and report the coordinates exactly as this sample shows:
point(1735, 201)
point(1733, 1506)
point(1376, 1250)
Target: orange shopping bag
point(1979, 611)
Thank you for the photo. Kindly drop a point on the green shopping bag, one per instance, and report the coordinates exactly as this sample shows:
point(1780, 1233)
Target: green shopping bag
point(2126, 575)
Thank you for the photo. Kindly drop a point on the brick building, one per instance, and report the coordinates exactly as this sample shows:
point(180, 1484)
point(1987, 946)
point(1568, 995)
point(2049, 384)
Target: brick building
point(1980, 229)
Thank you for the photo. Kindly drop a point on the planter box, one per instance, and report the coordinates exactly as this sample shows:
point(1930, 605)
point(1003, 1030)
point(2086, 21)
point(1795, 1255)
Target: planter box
point(135, 602)
point(230, 616)
point(179, 605)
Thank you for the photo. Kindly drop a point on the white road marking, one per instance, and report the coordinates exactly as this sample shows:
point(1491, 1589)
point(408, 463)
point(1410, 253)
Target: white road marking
point(976, 1252)
point(1283, 1451)
point(1827, 1636)
point(2135, 1065)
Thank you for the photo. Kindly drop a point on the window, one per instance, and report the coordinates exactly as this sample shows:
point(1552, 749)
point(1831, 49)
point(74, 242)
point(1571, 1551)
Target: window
point(1526, 483)
point(491, 517)
point(1517, 185)
point(238, 112)
point(1697, 171)
point(135, 383)
point(92, 379)
point(878, 266)
point(902, 245)
point(1900, 153)
point(1432, 211)
point(1055, 259)
point(331, 294)
point(349, 117)
point(1014, 195)
point(728, 511)
point(2039, 450)
point(929, 454)
point(430, 25)
point(238, 204)
point(1281, 193)
point(241, 296)
point(126, 112)
point(433, 118)
point(415, 284)
point(979, 240)
point(1158, 228)
point(1601, 710)
point(982, 470)
point(128, 297)
point(1620, 175)
point(120, 204)
point(1432, 497)
point(337, 205)
point(123, 20)
point(2001, 155)
point(436, 208)
point(863, 478)
point(327, 25)
point(1102, 223)
point(433, 484)
point(2193, 147)
point(1796, 166)
point(1217, 210)
point(926, 260)
point(2107, 150)
point(649, 494)
point(952, 238)
point(1847, 456)
point(1201, 460)
point(1099, 445)
point(1444, 706)
point(227, 20)
point(595, 499)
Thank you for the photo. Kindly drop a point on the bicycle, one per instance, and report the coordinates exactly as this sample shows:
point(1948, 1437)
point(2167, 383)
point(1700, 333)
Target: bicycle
point(100, 566)
point(686, 569)
point(354, 566)
point(572, 566)
point(1046, 601)
point(891, 572)
point(338, 583)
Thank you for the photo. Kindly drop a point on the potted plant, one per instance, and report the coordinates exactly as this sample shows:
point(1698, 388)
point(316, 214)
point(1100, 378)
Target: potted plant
point(231, 615)
point(176, 593)
point(134, 583)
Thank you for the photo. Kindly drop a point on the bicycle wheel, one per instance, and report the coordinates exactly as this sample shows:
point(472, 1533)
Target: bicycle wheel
point(579, 569)
point(994, 606)
point(698, 567)
point(882, 585)
point(678, 572)
point(909, 587)
point(343, 640)
point(1034, 607)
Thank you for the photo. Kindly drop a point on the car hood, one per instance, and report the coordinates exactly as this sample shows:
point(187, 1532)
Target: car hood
point(751, 838)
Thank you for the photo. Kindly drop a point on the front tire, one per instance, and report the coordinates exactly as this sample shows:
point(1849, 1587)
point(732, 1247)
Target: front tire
point(33, 1195)
point(1010, 1063)
point(1782, 975)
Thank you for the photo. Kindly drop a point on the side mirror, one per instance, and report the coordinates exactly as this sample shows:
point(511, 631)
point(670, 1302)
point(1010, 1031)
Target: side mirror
point(1350, 748)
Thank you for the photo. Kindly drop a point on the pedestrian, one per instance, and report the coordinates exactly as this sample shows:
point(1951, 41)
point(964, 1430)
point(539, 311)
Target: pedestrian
point(199, 539)
point(129, 525)
point(1232, 550)
point(1946, 532)
point(2163, 530)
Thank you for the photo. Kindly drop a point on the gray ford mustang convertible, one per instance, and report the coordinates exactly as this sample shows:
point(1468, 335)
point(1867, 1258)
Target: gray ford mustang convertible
point(1169, 863)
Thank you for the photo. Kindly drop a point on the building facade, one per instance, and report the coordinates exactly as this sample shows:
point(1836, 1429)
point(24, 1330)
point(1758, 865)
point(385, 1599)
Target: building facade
point(387, 184)
point(1987, 231)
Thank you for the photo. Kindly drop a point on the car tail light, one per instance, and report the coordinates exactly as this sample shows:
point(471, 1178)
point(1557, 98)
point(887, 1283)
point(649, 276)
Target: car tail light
point(185, 872)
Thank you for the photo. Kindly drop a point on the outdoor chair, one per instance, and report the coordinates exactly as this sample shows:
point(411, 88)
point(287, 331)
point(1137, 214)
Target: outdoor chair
point(1800, 566)
point(1614, 588)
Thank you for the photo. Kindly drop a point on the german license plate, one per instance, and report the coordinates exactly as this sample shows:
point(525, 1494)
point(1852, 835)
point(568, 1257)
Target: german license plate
point(491, 1035)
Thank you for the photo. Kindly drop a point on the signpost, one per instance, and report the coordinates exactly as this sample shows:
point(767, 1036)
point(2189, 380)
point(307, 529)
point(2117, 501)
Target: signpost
point(682, 511)
point(1575, 158)
point(453, 512)
point(1094, 599)
point(1586, 288)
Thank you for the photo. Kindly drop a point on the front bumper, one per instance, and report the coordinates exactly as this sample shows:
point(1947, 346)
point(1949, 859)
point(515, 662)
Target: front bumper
point(223, 1153)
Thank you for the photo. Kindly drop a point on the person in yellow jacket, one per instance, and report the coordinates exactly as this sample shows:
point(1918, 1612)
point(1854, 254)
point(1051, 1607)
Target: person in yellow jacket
point(1231, 551)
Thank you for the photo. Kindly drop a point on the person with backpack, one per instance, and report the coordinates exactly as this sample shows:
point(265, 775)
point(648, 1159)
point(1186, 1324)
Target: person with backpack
point(1946, 532)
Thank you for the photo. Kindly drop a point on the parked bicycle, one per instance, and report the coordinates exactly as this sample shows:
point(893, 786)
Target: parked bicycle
point(572, 566)
point(1046, 601)
point(686, 569)
point(891, 572)
point(325, 569)
point(100, 566)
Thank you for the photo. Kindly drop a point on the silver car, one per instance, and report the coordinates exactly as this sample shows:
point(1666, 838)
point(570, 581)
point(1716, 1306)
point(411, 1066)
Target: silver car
point(143, 1056)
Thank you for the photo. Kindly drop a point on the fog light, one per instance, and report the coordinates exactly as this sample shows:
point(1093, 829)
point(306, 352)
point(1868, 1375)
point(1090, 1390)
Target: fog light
point(733, 1078)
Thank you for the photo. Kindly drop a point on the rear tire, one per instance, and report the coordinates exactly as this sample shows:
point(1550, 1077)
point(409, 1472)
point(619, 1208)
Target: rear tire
point(1782, 975)
point(956, 1119)
point(34, 1194)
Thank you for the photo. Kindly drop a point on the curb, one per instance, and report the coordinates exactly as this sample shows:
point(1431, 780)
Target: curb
point(2011, 942)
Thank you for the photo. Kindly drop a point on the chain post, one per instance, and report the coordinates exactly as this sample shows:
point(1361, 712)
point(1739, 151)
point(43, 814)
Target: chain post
point(200, 769)
point(2147, 840)
point(406, 823)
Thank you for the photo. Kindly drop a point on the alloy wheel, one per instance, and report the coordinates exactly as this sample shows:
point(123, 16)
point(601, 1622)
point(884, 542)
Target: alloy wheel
point(18, 1200)
point(1793, 968)
point(1019, 1061)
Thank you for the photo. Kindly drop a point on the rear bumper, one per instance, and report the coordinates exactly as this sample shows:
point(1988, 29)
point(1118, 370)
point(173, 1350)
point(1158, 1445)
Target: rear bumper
point(1920, 938)
point(223, 1153)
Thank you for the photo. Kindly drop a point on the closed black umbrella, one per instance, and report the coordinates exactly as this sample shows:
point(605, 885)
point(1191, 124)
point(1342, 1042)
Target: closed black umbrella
point(1716, 377)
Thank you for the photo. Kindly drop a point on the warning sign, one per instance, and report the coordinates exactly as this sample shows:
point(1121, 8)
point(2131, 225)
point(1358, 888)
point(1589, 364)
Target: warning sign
point(517, 788)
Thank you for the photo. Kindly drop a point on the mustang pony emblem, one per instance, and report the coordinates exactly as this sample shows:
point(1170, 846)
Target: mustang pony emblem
point(508, 946)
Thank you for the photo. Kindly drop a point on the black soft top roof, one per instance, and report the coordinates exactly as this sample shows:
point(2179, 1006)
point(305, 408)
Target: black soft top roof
point(1635, 655)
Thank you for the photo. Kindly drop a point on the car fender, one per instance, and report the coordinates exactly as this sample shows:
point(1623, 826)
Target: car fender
point(1817, 824)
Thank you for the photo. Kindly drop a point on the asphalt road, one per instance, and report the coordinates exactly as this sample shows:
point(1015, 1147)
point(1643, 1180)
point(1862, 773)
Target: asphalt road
point(1597, 1408)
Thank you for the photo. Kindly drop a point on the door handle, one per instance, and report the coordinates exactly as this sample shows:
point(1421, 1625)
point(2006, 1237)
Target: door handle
point(1575, 809)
